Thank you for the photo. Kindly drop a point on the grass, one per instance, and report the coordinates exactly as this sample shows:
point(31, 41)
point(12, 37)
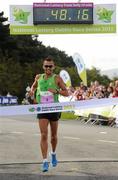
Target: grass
point(67, 116)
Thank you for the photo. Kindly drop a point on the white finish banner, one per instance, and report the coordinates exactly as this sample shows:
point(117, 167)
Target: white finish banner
point(56, 107)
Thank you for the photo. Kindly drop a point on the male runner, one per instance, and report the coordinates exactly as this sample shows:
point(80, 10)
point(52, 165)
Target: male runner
point(48, 86)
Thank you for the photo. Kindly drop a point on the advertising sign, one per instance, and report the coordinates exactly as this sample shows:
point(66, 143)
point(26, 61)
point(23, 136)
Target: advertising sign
point(62, 18)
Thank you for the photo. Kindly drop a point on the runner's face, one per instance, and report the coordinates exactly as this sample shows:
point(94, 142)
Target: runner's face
point(48, 67)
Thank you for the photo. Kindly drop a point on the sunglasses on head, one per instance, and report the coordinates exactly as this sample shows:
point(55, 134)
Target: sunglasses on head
point(48, 66)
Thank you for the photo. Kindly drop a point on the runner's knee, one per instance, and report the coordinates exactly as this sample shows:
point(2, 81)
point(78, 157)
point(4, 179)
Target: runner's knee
point(53, 138)
point(44, 136)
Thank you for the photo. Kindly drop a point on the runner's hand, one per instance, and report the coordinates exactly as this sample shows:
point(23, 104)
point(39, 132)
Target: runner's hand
point(54, 91)
point(31, 93)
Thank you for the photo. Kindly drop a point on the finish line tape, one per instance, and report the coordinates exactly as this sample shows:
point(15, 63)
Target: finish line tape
point(56, 107)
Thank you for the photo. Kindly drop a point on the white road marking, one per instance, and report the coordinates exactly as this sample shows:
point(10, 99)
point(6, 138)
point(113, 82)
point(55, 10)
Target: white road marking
point(103, 132)
point(36, 134)
point(17, 132)
point(72, 138)
point(20, 132)
point(113, 142)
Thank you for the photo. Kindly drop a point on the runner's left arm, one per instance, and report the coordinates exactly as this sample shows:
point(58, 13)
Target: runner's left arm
point(62, 87)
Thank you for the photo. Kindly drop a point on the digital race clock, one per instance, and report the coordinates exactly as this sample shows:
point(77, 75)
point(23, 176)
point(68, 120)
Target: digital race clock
point(62, 13)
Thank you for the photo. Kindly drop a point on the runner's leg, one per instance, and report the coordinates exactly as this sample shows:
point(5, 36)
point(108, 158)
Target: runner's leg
point(43, 125)
point(54, 128)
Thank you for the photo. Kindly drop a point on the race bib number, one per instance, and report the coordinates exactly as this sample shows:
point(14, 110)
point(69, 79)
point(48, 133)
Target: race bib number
point(46, 97)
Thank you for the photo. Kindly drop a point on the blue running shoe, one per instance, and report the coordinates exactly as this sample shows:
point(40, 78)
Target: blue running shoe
point(45, 166)
point(53, 160)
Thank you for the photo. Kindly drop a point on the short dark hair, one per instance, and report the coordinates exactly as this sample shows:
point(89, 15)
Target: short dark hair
point(49, 58)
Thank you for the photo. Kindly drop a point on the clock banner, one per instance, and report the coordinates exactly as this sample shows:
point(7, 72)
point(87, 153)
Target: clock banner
point(62, 18)
point(78, 60)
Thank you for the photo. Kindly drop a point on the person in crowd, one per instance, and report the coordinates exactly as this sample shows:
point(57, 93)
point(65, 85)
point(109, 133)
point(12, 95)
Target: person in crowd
point(115, 92)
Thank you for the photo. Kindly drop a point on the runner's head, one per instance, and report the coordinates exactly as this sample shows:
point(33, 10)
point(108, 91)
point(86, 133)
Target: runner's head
point(48, 65)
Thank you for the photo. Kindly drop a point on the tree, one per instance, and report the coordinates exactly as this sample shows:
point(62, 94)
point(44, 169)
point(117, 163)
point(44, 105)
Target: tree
point(4, 33)
point(94, 74)
point(4, 27)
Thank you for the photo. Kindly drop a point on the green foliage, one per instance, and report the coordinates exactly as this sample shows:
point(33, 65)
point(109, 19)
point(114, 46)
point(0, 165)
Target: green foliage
point(4, 33)
point(74, 76)
point(94, 74)
point(10, 77)
point(61, 59)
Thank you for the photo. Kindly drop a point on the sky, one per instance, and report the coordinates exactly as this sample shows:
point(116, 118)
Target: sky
point(98, 50)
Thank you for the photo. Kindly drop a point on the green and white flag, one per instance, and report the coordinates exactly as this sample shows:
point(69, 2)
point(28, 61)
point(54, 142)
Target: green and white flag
point(78, 60)
point(66, 77)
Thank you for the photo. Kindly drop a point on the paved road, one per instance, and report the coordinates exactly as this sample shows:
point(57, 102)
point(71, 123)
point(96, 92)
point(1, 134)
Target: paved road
point(84, 151)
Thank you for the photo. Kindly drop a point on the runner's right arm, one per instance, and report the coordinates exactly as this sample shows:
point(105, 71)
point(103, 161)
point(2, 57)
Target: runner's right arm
point(34, 85)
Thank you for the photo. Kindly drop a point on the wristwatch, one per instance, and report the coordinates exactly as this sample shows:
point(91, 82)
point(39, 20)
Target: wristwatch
point(57, 91)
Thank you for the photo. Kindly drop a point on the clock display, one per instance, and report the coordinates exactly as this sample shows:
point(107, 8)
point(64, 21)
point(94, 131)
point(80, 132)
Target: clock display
point(63, 13)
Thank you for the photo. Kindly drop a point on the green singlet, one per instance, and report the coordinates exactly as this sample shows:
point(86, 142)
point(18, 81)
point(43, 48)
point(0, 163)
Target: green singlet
point(42, 93)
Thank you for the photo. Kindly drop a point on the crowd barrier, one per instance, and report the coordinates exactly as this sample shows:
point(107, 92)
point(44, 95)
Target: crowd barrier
point(12, 100)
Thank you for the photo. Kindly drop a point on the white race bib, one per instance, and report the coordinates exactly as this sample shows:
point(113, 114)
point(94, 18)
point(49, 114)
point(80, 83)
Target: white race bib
point(46, 97)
